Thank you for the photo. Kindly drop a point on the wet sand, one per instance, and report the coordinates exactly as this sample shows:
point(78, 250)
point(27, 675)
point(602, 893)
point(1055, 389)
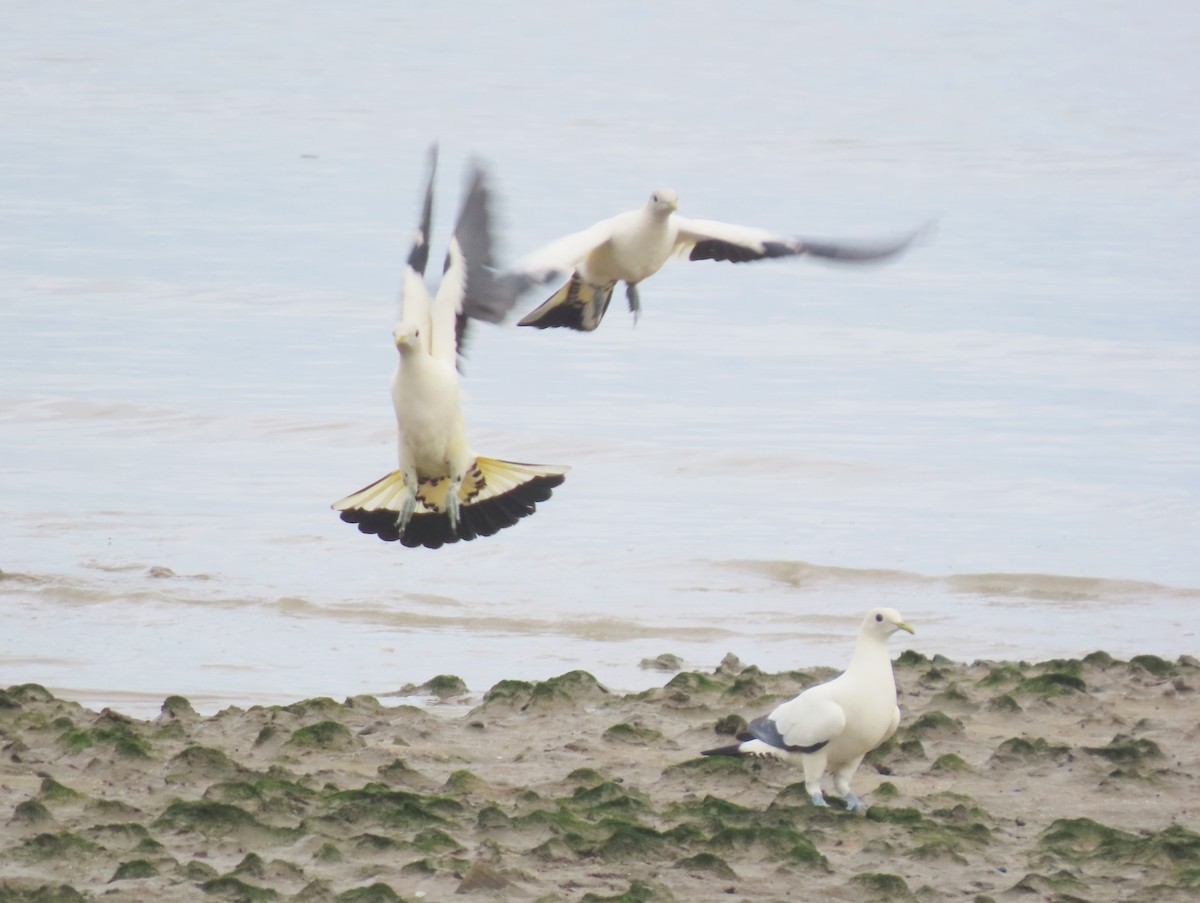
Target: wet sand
point(1059, 781)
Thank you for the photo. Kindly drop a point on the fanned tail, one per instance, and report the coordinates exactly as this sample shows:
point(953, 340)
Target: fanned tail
point(577, 305)
point(495, 494)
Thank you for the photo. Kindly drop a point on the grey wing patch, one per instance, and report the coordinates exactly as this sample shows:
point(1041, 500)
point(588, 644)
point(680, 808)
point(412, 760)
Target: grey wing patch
point(765, 729)
point(418, 257)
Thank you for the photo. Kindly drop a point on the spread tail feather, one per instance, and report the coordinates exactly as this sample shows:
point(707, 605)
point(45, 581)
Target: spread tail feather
point(577, 305)
point(495, 494)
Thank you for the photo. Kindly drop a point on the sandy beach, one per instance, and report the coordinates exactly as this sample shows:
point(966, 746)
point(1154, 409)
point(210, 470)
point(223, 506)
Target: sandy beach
point(1066, 780)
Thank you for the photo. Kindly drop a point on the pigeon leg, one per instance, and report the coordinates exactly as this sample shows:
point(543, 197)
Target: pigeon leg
point(854, 804)
point(452, 501)
point(404, 515)
point(841, 782)
point(635, 303)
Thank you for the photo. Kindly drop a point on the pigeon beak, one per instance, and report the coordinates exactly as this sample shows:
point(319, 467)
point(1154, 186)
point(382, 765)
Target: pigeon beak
point(903, 626)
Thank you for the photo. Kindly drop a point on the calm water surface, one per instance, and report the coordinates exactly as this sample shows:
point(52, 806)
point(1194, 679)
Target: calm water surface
point(203, 214)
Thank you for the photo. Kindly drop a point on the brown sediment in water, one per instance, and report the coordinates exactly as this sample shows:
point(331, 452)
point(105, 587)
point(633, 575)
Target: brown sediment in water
point(1063, 780)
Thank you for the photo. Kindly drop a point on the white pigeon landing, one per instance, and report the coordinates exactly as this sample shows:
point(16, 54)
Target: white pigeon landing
point(832, 726)
point(442, 491)
point(633, 246)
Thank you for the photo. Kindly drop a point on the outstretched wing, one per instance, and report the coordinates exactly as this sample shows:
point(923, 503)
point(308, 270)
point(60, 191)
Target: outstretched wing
point(704, 239)
point(414, 303)
point(467, 288)
point(560, 256)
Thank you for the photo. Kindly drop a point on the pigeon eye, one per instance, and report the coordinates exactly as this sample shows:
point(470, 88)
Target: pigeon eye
point(654, 197)
point(879, 617)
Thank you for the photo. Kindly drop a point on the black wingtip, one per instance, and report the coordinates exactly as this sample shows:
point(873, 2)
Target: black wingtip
point(418, 257)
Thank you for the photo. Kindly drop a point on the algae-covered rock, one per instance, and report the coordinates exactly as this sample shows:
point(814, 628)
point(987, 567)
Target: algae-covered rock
point(779, 842)
point(638, 892)
point(1125, 750)
point(377, 804)
point(1051, 684)
point(633, 734)
point(1001, 675)
point(708, 863)
point(177, 708)
point(134, 870)
point(197, 761)
point(481, 876)
point(903, 815)
point(1083, 838)
point(230, 888)
point(212, 819)
point(1023, 750)
point(1004, 703)
point(374, 893)
point(1153, 665)
point(730, 725)
point(17, 891)
point(434, 840)
point(565, 691)
point(934, 724)
point(880, 885)
point(62, 846)
point(443, 686)
point(326, 735)
point(664, 662)
point(695, 682)
point(32, 814)
point(320, 706)
point(948, 762)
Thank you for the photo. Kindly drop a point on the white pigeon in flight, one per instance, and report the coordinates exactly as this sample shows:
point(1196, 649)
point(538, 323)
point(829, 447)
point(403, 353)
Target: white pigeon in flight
point(832, 726)
point(633, 246)
point(442, 491)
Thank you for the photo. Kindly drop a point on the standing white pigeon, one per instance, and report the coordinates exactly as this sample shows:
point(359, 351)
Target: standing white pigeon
point(832, 726)
point(633, 246)
point(442, 491)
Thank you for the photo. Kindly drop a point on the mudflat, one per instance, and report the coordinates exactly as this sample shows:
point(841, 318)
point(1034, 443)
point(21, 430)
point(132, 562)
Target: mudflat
point(1068, 780)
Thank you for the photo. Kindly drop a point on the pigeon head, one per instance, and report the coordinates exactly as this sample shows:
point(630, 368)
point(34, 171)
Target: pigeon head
point(883, 622)
point(407, 336)
point(663, 201)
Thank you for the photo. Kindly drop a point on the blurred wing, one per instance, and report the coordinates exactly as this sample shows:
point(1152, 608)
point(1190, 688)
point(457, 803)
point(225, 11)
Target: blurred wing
point(419, 255)
point(702, 239)
point(563, 254)
point(467, 288)
point(414, 298)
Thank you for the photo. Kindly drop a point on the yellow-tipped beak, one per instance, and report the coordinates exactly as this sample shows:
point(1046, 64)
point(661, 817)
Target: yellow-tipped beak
point(904, 626)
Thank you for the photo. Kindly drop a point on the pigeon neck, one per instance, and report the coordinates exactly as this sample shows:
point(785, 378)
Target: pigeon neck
point(870, 654)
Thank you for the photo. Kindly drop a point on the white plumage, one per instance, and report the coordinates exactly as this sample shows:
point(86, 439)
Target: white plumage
point(832, 726)
point(633, 246)
point(442, 491)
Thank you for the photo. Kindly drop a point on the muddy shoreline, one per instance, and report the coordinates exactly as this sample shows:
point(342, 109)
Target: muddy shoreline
point(1061, 781)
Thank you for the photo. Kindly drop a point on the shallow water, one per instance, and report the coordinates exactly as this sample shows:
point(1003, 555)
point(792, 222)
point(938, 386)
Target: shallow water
point(204, 217)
